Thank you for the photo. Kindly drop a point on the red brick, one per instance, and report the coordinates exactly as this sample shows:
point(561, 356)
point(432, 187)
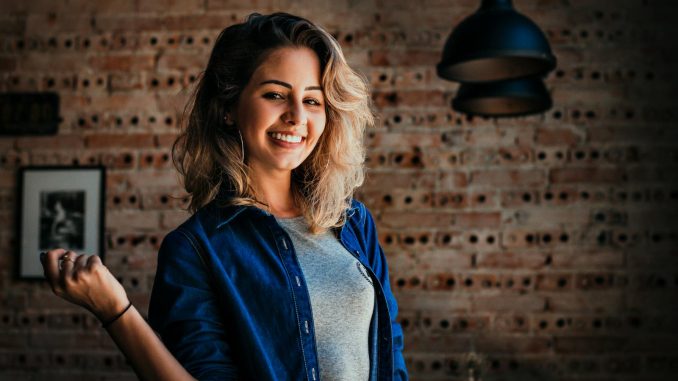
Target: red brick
point(587, 175)
point(181, 61)
point(126, 82)
point(652, 302)
point(16, 340)
point(497, 156)
point(554, 136)
point(165, 140)
point(194, 22)
point(549, 217)
point(410, 179)
point(142, 220)
point(493, 136)
point(214, 5)
point(508, 302)
point(632, 134)
point(591, 344)
point(172, 219)
point(512, 345)
point(11, 26)
point(66, 62)
point(511, 260)
point(409, 57)
point(594, 301)
point(411, 98)
point(601, 259)
point(437, 344)
point(7, 144)
point(119, 141)
point(433, 219)
point(383, 138)
point(122, 62)
point(432, 301)
point(667, 174)
point(7, 64)
point(496, 177)
point(65, 142)
point(151, 179)
point(182, 6)
point(42, 22)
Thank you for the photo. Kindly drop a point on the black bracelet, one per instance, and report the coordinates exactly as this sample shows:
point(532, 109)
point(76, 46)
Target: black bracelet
point(105, 325)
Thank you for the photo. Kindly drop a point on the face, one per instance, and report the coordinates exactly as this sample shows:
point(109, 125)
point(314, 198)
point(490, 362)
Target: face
point(281, 111)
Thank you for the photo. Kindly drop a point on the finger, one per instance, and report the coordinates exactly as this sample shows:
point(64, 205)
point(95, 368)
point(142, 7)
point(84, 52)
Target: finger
point(51, 266)
point(67, 265)
point(80, 263)
point(93, 260)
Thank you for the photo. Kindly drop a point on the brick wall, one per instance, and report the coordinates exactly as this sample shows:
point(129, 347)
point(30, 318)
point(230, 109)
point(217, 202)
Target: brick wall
point(541, 247)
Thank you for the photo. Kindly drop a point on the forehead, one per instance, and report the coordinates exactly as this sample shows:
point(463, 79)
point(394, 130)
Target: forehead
point(299, 63)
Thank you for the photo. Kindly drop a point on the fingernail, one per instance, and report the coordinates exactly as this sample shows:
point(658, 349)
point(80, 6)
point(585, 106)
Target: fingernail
point(42, 256)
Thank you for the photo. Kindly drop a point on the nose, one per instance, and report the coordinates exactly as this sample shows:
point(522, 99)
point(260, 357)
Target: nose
point(295, 114)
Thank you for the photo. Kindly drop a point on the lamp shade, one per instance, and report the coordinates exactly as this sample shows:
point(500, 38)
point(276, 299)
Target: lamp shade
point(512, 97)
point(495, 43)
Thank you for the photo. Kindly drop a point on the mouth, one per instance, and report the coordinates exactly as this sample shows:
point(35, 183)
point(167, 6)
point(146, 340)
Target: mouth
point(286, 139)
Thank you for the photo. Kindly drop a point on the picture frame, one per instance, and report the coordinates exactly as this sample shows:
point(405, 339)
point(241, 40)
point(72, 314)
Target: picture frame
point(58, 206)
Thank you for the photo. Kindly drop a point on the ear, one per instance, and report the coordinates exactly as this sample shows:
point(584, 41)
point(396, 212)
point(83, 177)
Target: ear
point(229, 119)
point(230, 116)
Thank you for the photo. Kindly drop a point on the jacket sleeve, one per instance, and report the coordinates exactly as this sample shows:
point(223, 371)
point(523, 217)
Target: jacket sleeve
point(183, 310)
point(380, 268)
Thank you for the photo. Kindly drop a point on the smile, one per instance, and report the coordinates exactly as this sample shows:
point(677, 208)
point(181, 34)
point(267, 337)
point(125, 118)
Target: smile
point(286, 138)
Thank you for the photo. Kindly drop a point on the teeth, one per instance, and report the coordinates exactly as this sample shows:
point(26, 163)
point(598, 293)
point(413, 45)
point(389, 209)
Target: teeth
point(286, 138)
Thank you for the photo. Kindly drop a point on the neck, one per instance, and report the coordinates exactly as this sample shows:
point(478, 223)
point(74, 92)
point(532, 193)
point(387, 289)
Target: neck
point(274, 188)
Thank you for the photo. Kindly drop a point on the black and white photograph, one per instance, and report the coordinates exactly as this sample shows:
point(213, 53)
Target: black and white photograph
point(61, 219)
point(59, 207)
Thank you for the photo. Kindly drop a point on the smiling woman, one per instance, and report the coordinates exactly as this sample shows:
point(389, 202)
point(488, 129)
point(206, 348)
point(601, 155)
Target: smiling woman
point(281, 114)
point(278, 274)
point(245, 83)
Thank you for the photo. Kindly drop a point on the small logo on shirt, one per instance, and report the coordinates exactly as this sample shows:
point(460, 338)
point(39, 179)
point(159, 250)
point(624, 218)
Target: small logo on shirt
point(363, 271)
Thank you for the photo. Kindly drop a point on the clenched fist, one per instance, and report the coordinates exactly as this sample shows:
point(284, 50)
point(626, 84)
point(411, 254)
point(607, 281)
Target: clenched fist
point(84, 280)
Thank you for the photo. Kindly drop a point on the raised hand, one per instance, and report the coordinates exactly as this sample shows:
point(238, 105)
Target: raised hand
point(84, 280)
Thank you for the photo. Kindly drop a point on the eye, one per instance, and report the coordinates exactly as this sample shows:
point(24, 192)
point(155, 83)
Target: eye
point(313, 101)
point(273, 95)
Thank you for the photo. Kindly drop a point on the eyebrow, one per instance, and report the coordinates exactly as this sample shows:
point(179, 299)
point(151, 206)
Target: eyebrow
point(285, 84)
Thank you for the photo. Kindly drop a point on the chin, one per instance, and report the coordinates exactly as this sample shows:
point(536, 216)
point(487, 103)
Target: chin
point(287, 166)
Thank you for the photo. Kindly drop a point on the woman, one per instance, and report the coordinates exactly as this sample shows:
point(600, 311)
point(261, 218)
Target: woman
point(278, 274)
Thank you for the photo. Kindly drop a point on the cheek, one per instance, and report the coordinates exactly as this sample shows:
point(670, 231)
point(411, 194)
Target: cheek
point(319, 125)
point(253, 112)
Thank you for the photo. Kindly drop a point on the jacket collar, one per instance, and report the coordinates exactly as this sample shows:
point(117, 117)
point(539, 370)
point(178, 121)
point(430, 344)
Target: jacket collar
point(226, 213)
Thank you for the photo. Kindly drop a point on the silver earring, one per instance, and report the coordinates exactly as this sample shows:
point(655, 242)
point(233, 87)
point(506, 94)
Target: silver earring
point(242, 148)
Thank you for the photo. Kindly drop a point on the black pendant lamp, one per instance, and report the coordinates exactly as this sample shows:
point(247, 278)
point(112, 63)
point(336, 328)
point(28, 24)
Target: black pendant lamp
point(510, 97)
point(492, 46)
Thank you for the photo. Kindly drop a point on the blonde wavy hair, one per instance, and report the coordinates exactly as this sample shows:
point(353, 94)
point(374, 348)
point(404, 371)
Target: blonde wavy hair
point(207, 153)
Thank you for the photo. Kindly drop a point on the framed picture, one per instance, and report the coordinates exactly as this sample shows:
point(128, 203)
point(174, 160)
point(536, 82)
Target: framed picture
point(59, 207)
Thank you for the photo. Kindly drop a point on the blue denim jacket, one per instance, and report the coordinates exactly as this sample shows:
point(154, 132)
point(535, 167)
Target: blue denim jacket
point(230, 301)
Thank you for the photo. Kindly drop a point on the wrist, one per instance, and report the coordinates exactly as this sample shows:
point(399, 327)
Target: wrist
point(110, 309)
point(106, 322)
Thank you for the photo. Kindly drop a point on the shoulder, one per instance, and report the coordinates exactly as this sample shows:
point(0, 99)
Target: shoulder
point(212, 216)
point(188, 235)
point(359, 215)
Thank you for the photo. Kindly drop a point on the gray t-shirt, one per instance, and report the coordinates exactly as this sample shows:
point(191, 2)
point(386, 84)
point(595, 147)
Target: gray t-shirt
point(342, 299)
